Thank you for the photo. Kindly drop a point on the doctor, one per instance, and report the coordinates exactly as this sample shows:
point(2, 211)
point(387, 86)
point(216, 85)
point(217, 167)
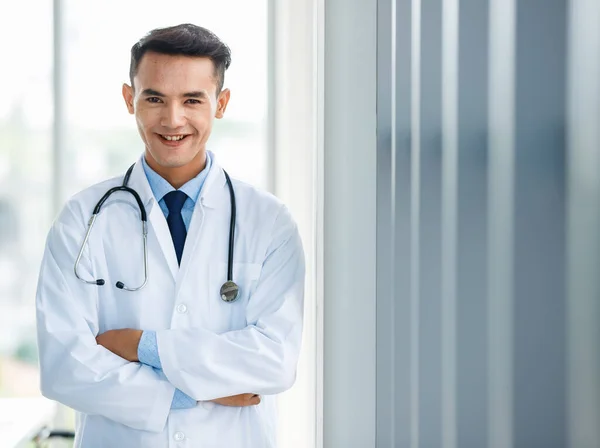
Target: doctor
point(172, 364)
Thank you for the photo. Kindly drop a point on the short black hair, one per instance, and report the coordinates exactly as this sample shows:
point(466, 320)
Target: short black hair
point(185, 39)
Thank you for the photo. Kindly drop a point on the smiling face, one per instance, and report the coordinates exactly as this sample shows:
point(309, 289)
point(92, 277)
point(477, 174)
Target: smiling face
point(175, 101)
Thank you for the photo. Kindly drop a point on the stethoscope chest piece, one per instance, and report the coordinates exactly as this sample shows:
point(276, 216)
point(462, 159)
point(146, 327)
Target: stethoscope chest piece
point(229, 291)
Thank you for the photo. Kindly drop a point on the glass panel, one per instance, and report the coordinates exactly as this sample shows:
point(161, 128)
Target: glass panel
point(26, 116)
point(101, 137)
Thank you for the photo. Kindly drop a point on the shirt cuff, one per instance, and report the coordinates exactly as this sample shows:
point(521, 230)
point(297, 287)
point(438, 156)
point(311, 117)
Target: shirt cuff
point(182, 401)
point(148, 350)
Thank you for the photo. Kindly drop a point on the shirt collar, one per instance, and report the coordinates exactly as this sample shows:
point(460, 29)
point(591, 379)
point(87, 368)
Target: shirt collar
point(160, 187)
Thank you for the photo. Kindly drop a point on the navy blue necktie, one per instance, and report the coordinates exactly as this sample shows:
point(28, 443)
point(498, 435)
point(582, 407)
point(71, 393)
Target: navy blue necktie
point(175, 201)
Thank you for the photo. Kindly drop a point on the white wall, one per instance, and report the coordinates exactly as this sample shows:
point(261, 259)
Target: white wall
point(294, 170)
point(324, 169)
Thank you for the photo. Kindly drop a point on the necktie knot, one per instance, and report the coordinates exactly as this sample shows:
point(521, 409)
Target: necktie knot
point(175, 200)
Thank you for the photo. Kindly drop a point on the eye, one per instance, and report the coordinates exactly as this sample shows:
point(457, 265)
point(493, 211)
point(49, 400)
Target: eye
point(193, 101)
point(153, 99)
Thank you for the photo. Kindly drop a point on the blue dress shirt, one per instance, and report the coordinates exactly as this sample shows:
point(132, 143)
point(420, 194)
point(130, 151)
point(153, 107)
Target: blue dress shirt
point(148, 348)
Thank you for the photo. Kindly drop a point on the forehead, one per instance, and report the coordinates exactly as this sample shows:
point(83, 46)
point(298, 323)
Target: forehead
point(175, 73)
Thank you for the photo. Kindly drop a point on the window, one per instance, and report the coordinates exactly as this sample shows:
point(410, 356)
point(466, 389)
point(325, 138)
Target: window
point(26, 115)
point(100, 138)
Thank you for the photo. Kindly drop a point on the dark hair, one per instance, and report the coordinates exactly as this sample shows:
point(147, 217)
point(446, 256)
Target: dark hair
point(185, 39)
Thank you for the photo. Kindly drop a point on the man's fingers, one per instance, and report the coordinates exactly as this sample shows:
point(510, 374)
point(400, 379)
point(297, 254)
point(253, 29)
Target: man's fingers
point(238, 400)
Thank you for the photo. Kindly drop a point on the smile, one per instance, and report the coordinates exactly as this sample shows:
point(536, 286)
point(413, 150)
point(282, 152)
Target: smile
point(173, 138)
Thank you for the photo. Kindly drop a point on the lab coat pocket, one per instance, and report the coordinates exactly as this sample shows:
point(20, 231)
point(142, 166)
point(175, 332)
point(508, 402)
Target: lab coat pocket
point(227, 316)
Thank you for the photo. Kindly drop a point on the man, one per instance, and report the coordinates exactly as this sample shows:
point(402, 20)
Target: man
point(172, 364)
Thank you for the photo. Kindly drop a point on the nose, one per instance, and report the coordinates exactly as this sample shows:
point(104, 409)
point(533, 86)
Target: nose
point(173, 116)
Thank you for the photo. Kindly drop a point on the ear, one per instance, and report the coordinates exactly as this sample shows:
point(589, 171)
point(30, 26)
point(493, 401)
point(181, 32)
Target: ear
point(222, 102)
point(128, 97)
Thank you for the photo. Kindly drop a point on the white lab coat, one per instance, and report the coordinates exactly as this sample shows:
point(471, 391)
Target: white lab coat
point(208, 348)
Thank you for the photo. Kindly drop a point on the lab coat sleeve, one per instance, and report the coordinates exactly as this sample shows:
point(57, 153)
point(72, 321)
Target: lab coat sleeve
point(260, 358)
point(148, 354)
point(75, 370)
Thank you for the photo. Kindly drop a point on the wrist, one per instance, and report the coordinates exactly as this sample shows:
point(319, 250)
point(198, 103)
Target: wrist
point(135, 343)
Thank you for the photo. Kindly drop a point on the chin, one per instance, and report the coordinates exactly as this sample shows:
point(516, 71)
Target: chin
point(174, 162)
point(168, 160)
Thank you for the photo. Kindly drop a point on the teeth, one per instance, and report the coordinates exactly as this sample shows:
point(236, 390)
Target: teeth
point(173, 138)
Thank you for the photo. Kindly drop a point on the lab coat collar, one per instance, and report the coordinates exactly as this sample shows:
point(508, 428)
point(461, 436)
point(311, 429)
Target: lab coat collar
point(210, 196)
point(139, 182)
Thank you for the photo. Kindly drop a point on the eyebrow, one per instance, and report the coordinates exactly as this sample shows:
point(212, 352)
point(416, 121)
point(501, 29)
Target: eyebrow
point(196, 94)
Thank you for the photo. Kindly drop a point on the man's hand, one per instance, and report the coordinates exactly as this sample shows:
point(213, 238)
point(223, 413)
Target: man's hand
point(123, 343)
point(238, 400)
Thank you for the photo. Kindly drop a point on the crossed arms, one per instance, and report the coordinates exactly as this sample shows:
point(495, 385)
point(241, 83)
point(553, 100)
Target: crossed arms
point(125, 343)
point(101, 376)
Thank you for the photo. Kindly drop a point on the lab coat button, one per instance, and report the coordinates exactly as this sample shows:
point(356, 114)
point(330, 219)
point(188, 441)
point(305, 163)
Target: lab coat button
point(179, 436)
point(181, 308)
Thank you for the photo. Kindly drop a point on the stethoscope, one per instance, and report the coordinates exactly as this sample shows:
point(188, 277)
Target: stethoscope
point(229, 290)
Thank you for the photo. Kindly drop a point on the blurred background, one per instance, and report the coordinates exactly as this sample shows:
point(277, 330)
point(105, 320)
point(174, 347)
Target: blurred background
point(64, 126)
point(98, 138)
point(441, 157)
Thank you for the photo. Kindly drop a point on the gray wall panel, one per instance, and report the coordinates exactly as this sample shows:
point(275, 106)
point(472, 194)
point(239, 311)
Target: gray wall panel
point(386, 347)
point(430, 245)
point(500, 222)
point(583, 228)
point(402, 164)
point(350, 223)
point(539, 257)
point(472, 224)
point(393, 225)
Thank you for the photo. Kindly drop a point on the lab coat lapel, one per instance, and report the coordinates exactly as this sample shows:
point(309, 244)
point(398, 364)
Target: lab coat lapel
point(156, 218)
point(163, 235)
point(210, 197)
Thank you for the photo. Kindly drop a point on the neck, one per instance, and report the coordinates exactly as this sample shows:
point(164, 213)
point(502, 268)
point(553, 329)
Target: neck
point(179, 175)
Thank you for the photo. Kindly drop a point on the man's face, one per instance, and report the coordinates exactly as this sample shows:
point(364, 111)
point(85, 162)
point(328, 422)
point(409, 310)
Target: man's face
point(174, 100)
